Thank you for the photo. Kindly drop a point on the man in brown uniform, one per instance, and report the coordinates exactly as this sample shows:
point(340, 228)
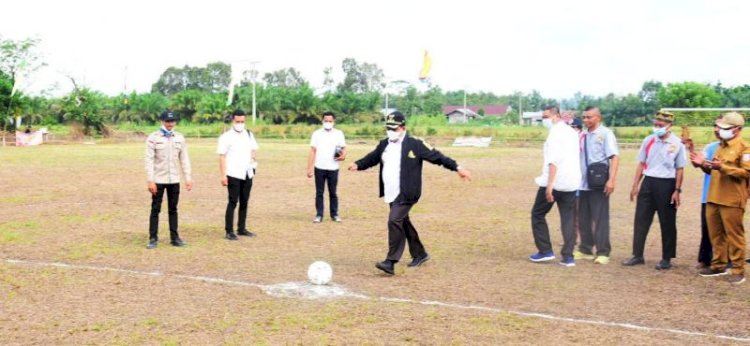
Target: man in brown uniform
point(727, 198)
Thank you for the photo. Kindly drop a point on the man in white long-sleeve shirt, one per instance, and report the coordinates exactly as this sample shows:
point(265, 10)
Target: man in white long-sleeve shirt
point(561, 177)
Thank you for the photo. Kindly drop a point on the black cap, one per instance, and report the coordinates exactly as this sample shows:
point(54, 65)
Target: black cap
point(395, 120)
point(577, 123)
point(168, 116)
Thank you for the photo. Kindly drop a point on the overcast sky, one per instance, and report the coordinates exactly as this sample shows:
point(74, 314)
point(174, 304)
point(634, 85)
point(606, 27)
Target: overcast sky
point(556, 47)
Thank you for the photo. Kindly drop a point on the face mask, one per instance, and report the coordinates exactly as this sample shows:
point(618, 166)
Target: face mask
point(166, 133)
point(726, 134)
point(327, 125)
point(660, 131)
point(239, 127)
point(393, 135)
point(547, 123)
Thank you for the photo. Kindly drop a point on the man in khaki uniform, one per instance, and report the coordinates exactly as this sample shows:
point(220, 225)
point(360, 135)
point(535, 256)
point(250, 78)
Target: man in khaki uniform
point(166, 153)
point(727, 198)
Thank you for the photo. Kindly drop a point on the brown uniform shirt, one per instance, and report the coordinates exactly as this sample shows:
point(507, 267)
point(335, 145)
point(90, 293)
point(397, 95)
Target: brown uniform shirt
point(729, 186)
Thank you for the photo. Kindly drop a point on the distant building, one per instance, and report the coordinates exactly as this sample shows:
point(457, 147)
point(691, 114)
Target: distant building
point(484, 110)
point(532, 118)
point(461, 116)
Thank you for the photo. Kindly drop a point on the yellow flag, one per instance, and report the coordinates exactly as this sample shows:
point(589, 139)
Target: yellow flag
point(426, 65)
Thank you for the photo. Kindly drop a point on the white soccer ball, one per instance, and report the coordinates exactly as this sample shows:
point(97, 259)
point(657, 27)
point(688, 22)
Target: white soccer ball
point(320, 273)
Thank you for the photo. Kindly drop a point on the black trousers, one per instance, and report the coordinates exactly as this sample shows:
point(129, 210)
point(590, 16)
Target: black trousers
point(566, 202)
point(401, 230)
point(239, 191)
point(321, 177)
point(655, 196)
point(594, 222)
point(173, 197)
point(705, 251)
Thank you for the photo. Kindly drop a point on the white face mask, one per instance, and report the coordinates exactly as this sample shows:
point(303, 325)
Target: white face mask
point(547, 123)
point(393, 135)
point(726, 134)
point(327, 125)
point(239, 127)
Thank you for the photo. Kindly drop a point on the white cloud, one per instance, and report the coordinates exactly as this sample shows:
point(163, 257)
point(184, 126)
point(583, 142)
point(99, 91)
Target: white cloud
point(552, 46)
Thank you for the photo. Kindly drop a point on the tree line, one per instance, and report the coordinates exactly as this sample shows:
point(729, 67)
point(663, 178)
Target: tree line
point(199, 94)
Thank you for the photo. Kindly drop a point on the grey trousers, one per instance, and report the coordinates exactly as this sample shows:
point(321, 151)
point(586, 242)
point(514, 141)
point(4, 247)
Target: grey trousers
point(593, 219)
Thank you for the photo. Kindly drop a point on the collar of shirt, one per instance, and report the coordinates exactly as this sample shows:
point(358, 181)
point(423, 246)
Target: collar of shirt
point(732, 142)
point(666, 139)
point(165, 132)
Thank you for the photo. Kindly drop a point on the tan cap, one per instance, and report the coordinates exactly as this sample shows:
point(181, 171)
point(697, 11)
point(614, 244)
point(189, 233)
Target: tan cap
point(730, 120)
point(664, 116)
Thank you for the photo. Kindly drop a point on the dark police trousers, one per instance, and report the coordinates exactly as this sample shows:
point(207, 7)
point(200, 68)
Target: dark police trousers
point(705, 251)
point(321, 177)
point(173, 196)
point(401, 230)
point(239, 190)
point(566, 202)
point(655, 196)
point(594, 222)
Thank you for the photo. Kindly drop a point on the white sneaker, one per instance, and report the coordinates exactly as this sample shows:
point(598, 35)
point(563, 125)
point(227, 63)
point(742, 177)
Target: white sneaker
point(318, 219)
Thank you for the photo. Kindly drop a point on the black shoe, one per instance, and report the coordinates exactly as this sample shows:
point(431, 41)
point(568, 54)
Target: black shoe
point(178, 242)
point(231, 236)
point(386, 266)
point(152, 244)
point(663, 265)
point(419, 261)
point(246, 233)
point(633, 261)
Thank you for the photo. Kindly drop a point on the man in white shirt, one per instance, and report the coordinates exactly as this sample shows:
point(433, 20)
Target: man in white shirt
point(237, 148)
point(327, 148)
point(561, 177)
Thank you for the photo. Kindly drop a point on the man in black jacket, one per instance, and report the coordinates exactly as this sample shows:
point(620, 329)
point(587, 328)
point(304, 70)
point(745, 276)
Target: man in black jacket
point(400, 157)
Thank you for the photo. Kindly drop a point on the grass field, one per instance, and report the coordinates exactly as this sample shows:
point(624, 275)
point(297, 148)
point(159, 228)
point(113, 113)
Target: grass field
point(87, 205)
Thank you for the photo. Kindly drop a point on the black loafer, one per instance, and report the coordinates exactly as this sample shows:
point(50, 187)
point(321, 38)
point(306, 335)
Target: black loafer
point(633, 261)
point(419, 261)
point(246, 233)
point(231, 236)
point(178, 242)
point(152, 244)
point(386, 266)
point(663, 265)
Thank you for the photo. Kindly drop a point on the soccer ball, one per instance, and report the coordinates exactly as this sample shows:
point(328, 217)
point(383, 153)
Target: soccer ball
point(320, 273)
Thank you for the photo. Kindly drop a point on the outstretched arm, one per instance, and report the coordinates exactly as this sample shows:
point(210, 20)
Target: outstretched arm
point(370, 160)
point(434, 156)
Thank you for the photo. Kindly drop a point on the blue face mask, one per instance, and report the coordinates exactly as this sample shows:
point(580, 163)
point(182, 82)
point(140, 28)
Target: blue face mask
point(166, 132)
point(660, 131)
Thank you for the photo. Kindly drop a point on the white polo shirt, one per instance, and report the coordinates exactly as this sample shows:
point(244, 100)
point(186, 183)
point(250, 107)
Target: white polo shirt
point(562, 148)
point(392, 170)
point(325, 143)
point(238, 149)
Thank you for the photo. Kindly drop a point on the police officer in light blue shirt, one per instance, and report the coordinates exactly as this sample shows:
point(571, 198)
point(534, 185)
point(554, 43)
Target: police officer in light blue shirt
point(661, 162)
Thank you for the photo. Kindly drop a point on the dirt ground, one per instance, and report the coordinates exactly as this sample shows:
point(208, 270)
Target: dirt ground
point(88, 205)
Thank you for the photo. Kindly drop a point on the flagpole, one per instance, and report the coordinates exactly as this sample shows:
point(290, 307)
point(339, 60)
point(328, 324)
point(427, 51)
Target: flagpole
point(5, 125)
